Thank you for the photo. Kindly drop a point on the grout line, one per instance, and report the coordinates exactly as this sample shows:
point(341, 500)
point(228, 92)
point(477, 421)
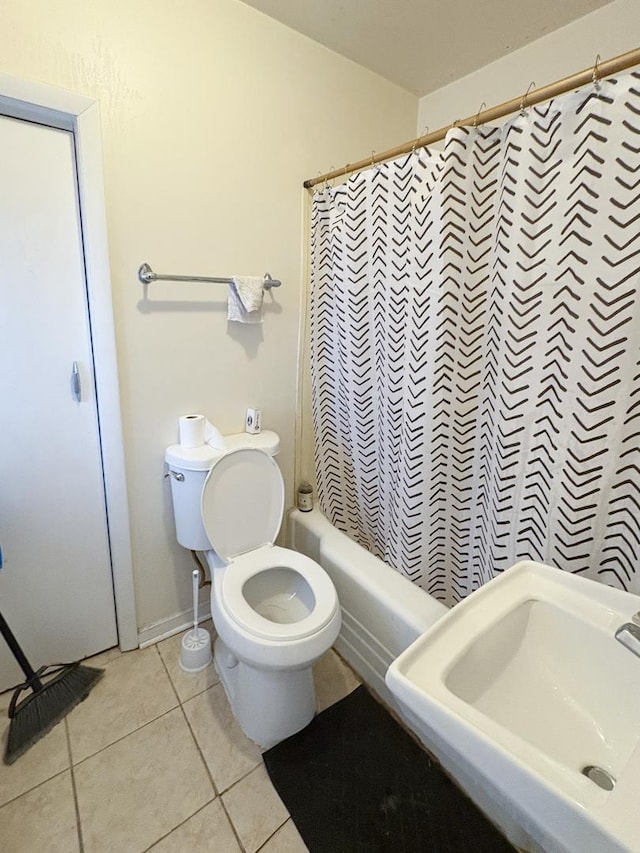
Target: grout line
point(34, 787)
point(72, 767)
point(224, 806)
point(191, 732)
point(68, 737)
point(144, 725)
point(166, 669)
point(242, 778)
point(128, 734)
point(231, 824)
point(200, 753)
point(275, 832)
point(217, 794)
point(179, 704)
point(138, 728)
point(197, 693)
point(178, 825)
point(193, 735)
point(74, 789)
point(230, 819)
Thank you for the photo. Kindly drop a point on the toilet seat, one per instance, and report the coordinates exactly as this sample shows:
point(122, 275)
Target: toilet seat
point(272, 557)
point(241, 507)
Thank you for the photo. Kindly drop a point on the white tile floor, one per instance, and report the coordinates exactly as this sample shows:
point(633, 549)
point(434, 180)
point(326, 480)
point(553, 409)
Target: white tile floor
point(151, 760)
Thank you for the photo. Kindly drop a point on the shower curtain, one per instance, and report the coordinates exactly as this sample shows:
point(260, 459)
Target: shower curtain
point(475, 348)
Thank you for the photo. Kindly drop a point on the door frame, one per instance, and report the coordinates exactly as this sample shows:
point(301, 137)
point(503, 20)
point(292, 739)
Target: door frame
point(80, 114)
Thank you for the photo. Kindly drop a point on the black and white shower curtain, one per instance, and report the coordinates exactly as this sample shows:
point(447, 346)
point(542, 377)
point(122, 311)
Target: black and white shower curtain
point(475, 348)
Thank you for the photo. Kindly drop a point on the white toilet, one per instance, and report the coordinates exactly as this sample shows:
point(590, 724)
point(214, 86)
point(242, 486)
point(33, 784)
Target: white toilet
point(275, 611)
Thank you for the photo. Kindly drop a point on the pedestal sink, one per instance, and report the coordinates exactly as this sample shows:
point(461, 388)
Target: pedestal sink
point(526, 697)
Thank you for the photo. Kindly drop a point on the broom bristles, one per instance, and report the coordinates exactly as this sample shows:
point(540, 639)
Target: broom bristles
point(40, 712)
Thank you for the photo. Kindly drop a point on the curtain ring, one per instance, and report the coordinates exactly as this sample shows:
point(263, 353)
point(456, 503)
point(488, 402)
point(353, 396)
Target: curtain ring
point(475, 121)
point(326, 181)
point(595, 77)
point(523, 100)
point(418, 138)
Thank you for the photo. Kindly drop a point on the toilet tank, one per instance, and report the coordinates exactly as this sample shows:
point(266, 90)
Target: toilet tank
point(188, 468)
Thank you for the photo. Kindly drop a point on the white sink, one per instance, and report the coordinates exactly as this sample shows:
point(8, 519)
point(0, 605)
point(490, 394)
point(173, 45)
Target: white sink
point(520, 688)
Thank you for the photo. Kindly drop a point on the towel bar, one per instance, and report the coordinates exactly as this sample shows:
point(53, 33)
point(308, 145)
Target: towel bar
point(147, 275)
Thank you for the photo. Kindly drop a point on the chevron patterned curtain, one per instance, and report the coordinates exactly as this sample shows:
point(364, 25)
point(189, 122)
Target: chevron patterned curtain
point(475, 348)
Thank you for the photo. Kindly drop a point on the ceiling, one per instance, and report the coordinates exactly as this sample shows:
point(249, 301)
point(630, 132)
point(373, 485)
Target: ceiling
point(422, 45)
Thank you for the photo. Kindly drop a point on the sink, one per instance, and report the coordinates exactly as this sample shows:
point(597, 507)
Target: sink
point(528, 700)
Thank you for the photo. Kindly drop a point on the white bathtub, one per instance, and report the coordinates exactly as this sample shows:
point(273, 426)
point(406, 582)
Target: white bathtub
point(382, 611)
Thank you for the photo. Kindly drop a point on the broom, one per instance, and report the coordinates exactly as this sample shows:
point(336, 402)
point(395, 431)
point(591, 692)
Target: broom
point(34, 716)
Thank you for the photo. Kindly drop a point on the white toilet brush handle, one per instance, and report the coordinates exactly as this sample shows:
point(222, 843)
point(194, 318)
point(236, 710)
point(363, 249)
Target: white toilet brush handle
point(195, 575)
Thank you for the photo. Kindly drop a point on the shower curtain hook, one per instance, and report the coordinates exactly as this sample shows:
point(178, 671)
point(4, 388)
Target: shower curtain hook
point(475, 121)
point(326, 182)
point(595, 77)
point(523, 100)
point(416, 140)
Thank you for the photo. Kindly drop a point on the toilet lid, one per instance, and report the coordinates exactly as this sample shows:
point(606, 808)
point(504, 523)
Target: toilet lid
point(242, 502)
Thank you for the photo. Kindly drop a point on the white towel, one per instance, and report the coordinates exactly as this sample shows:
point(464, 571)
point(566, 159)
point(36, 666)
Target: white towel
point(246, 293)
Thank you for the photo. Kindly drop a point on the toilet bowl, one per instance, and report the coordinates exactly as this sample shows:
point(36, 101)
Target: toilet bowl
point(275, 611)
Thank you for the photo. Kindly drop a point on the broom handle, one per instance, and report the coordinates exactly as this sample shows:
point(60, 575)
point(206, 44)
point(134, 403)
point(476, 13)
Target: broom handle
point(19, 655)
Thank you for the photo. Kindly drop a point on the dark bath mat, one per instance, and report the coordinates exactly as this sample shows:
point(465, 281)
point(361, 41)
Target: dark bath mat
point(355, 782)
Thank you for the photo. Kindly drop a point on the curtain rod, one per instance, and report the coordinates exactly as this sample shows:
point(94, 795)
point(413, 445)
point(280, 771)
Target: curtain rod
point(597, 72)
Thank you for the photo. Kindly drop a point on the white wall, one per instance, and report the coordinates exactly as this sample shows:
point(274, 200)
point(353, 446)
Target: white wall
point(609, 31)
point(213, 115)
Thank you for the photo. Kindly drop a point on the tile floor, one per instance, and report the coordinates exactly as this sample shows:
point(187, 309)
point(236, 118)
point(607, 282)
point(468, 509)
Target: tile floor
point(152, 760)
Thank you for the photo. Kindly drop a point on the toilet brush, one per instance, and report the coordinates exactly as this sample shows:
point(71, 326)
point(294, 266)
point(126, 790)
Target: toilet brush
point(195, 653)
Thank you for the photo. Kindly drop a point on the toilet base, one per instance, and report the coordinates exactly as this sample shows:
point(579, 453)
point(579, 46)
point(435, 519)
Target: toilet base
point(269, 705)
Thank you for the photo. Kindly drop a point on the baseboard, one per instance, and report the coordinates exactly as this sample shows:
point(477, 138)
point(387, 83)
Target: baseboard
point(154, 633)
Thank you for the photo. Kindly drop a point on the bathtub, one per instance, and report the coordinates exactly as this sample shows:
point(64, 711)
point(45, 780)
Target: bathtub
point(382, 611)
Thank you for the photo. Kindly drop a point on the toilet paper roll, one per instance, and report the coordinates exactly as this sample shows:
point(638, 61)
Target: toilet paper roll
point(213, 437)
point(191, 430)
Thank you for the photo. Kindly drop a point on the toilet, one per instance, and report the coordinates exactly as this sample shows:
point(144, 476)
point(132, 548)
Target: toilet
point(275, 611)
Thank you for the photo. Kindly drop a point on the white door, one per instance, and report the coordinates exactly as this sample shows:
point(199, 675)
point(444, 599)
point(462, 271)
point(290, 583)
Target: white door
point(56, 588)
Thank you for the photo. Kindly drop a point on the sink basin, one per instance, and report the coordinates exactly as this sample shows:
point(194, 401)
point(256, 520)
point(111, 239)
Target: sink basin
point(526, 697)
